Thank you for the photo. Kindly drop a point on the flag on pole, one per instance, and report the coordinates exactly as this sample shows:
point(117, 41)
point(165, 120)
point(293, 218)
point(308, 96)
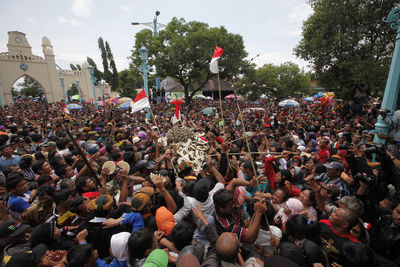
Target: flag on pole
point(140, 102)
point(65, 110)
point(214, 61)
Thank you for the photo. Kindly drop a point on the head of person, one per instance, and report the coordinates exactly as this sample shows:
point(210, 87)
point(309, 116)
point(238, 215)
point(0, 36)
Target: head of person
point(13, 231)
point(290, 251)
point(26, 162)
point(45, 195)
point(334, 169)
point(396, 214)
point(312, 253)
point(351, 203)
point(64, 171)
point(6, 151)
point(182, 234)
point(118, 246)
point(307, 197)
point(344, 218)
point(323, 143)
point(82, 255)
point(41, 167)
point(28, 258)
point(330, 191)
point(298, 227)
point(62, 197)
point(141, 243)
point(16, 184)
point(85, 184)
point(201, 189)
point(223, 201)
point(79, 206)
point(44, 179)
point(45, 233)
point(228, 247)
point(62, 143)
point(141, 201)
point(68, 183)
point(357, 255)
point(279, 196)
point(101, 206)
point(248, 169)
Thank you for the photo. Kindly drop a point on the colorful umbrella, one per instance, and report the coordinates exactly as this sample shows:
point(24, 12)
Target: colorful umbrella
point(288, 103)
point(126, 104)
point(75, 97)
point(309, 99)
point(207, 111)
point(232, 96)
point(124, 99)
point(74, 106)
point(200, 97)
point(246, 110)
point(209, 98)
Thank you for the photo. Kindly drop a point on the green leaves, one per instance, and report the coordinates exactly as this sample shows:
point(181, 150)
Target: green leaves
point(183, 50)
point(348, 44)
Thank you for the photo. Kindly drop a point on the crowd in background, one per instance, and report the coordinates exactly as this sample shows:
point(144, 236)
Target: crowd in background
point(282, 186)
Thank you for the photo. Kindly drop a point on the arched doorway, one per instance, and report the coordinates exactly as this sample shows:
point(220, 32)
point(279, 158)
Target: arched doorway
point(25, 88)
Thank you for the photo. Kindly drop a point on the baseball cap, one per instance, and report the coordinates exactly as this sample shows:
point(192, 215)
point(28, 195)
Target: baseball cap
point(334, 189)
point(12, 228)
point(50, 143)
point(28, 258)
point(335, 165)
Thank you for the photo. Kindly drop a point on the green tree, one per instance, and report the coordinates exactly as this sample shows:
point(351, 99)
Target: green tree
point(106, 71)
point(30, 87)
point(348, 44)
point(98, 74)
point(184, 50)
point(114, 75)
point(129, 81)
point(273, 80)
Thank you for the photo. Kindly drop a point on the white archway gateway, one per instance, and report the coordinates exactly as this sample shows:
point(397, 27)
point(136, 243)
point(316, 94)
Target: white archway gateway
point(19, 61)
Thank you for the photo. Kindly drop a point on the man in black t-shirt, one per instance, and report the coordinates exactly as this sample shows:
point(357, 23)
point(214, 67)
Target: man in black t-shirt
point(336, 231)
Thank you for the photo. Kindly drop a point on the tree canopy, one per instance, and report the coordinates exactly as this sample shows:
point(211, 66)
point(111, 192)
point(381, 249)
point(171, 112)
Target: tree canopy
point(348, 44)
point(129, 81)
point(275, 81)
point(183, 50)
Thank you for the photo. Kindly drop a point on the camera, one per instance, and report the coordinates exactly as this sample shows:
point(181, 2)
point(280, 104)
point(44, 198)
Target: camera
point(365, 178)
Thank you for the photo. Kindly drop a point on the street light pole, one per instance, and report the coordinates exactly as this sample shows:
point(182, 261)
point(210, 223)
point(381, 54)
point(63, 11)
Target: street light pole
point(155, 26)
point(1, 99)
point(101, 90)
point(79, 90)
point(62, 86)
point(392, 83)
point(91, 70)
point(143, 54)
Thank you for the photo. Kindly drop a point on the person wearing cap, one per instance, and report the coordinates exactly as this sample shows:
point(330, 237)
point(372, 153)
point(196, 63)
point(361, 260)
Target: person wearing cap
point(333, 176)
point(50, 146)
point(325, 195)
point(35, 257)
point(13, 232)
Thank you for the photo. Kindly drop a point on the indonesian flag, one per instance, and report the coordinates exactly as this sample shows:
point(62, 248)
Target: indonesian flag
point(140, 102)
point(65, 110)
point(214, 61)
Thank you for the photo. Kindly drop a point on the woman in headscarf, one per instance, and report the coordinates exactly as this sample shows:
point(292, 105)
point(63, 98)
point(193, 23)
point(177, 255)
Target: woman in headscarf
point(291, 207)
point(118, 250)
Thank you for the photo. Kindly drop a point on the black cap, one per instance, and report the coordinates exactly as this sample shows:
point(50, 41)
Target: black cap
point(28, 258)
point(12, 228)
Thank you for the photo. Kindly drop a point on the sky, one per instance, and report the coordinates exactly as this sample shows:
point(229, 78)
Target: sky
point(271, 28)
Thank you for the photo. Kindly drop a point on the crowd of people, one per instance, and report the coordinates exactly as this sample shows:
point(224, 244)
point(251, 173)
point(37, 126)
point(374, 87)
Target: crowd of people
point(296, 186)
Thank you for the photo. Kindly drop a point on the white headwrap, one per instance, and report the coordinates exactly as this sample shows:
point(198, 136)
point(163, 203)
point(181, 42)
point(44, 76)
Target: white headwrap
point(119, 243)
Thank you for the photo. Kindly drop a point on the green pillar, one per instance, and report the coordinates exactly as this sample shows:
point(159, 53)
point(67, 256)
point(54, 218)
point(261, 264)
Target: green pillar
point(392, 83)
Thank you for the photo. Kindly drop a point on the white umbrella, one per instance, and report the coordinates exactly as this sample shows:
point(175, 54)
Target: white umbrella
point(288, 103)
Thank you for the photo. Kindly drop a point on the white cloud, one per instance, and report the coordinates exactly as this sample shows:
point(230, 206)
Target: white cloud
point(72, 22)
point(31, 20)
point(293, 33)
point(82, 8)
point(300, 12)
point(125, 8)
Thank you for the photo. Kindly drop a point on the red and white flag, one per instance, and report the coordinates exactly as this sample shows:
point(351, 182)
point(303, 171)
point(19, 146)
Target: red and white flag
point(65, 109)
point(140, 102)
point(214, 61)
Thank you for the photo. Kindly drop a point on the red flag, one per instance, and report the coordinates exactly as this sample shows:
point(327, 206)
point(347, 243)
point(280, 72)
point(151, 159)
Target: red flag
point(140, 102)
point(214, 61)
point(65, 110)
